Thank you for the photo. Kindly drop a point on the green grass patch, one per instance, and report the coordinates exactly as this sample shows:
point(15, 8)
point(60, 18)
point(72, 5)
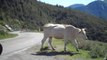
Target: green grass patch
point(6, 35)
point(92, 50)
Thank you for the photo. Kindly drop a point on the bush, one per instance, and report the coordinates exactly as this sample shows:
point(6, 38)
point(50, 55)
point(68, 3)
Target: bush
point(3, 33)
point(96, 49)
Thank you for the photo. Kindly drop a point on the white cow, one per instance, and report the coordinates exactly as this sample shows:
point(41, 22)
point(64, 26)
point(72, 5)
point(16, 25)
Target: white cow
point(59, 31)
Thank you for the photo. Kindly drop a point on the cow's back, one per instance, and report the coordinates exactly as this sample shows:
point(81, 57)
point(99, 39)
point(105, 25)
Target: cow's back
point(58, 31)
point(54, 30)
point(48, 29)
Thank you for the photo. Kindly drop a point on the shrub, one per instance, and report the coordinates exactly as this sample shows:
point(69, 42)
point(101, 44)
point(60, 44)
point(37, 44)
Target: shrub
point(3, 33)
point(96, 49)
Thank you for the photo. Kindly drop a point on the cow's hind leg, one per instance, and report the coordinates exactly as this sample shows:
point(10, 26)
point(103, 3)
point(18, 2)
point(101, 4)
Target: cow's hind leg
point(42, 43)
point(65, 44)
point(50, 43)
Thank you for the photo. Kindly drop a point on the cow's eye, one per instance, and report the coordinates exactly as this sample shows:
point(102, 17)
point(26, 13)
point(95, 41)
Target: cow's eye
point(79, 32)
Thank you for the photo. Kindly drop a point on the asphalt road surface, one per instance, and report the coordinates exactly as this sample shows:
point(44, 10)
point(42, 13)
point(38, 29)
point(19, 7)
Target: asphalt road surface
point(26, 47)
point(23, 41)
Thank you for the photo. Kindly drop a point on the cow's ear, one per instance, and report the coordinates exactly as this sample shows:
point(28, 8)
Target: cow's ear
point(80, 30)
point(84, 29)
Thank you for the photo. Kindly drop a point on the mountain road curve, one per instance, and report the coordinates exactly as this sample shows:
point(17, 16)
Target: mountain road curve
point(22, 41)
point(25, 47)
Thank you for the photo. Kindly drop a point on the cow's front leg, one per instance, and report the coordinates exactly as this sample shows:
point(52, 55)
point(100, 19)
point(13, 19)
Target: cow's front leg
point(76, 45)
point(50, 43)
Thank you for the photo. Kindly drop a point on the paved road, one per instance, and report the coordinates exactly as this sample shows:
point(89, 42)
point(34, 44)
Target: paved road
point(23, 41)
point(25, 47)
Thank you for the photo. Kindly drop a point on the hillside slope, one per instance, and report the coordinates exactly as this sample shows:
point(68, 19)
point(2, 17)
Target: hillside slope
point(76, 6)
point(31, 14)
point(97, 8)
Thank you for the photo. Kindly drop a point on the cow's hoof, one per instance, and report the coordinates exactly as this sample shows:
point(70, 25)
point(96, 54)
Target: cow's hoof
point(77, 50)
point(53, 49)
point(65, 50)
point(41, 49)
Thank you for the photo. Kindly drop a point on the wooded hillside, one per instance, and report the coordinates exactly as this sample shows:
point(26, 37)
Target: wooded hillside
point(33, 15)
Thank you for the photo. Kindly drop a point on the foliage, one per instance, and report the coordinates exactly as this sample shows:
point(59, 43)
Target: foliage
point(4, 35)
point(96, 49)
point(33, 15)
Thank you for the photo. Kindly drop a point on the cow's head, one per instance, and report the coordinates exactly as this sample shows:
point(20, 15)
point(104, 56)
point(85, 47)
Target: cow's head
point(82, 33)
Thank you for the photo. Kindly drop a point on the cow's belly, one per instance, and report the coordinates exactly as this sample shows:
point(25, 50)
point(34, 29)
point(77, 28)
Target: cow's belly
point(58, 33)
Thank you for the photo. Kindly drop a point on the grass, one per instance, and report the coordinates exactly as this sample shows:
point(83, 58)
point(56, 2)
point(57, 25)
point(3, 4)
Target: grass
point(4, 36)
point(84, 53)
